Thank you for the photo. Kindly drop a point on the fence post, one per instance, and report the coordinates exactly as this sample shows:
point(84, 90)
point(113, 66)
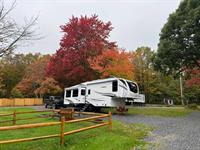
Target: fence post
point(62, 130)
point(52, 115)
point(110, 120)
point(14, 117)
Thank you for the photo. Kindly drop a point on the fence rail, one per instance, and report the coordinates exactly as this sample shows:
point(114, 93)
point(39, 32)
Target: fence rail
point(62, 123)
point(15, 114)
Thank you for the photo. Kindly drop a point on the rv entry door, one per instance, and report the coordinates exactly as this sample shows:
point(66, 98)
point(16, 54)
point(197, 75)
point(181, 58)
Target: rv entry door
point(83, 95)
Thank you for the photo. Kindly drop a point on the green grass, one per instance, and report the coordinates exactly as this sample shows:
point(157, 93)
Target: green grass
point(122, 137)
point(7, 110)
point(157, 111)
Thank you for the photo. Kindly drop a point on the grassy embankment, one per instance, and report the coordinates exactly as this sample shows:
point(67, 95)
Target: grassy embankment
point(157, 111)
point(122, 137)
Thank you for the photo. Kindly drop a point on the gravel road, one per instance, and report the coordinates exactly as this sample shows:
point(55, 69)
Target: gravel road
point(180, 133)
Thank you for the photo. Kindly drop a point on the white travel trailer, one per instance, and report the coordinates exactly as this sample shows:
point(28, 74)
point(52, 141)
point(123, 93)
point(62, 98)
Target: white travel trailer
point(110, 92)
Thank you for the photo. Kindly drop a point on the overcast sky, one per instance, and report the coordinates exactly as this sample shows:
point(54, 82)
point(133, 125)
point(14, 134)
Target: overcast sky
point(136, 22)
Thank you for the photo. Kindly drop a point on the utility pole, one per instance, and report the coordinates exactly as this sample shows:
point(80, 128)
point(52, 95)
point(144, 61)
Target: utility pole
point(181, 89)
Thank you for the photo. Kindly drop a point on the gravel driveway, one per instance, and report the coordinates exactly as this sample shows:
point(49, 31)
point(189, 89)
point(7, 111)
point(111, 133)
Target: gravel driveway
point(179, 133)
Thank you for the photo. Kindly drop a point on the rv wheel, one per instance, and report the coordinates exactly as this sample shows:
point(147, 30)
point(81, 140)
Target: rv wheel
point(46, 105)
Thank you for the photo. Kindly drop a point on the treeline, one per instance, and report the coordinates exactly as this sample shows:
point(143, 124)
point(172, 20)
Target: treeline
point(26, 75)
point(23, 75)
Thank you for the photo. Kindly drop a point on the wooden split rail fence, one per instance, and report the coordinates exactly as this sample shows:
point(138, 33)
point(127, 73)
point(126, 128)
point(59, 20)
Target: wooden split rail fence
point(61, 123)
point(14, 115)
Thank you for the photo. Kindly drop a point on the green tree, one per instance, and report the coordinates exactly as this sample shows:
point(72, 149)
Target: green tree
point(12, 70)
point(179, 46)
point(167, 87)
point(15, 93)
point(143, 69)
point(152, 83)
point(2, 86)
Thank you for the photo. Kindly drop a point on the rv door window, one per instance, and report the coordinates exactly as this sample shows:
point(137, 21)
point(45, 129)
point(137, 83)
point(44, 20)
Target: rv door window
point(133, 87)
point(82, 91)
point(75, 93)
point(89, 92)
point(68, 93)
point(114, 86)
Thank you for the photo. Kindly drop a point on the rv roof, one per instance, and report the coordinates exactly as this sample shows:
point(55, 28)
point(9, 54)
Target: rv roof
point(75, 86)
point(103, 80)
point(96, 81)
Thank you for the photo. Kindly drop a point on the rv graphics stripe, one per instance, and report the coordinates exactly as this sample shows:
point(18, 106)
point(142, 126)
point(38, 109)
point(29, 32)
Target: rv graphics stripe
point(106, 94)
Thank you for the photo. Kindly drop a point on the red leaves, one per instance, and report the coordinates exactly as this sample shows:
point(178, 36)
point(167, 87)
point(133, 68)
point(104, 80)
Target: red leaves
point(84, 39)
point(195, 78)
point(86, 33)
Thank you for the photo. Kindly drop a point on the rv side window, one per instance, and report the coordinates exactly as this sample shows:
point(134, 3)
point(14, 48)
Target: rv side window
point(82, 91)
point(68, 93)
point(114, 86)
point(75, 93)
point(89, 92)
point(133, 87)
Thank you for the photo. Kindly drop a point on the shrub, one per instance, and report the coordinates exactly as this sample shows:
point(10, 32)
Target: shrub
point(193, 106)
point(15, 93)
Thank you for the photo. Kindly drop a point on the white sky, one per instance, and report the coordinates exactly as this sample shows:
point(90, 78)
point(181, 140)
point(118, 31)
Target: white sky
point(136, 22)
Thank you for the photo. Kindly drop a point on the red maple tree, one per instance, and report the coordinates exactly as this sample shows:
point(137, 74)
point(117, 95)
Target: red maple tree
point(84, 39)
point(194, 77)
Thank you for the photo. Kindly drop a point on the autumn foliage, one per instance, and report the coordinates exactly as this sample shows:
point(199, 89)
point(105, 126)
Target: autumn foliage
point(85, 53)
point(113, 62)
point(194, 79)
point(84, 39)
point(34, 75)
point(48, 87)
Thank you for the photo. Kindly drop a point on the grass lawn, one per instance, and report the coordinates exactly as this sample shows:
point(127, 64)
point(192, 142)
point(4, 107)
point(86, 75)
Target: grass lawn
point(6, 110)
point(122, 137)
point(157, 111)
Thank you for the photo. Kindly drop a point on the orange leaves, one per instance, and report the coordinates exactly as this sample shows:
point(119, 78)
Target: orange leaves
point(113, 62)
point(34, 75)
point(48, 86)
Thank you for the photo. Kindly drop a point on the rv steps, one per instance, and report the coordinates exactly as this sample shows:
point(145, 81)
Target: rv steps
point(84, 108)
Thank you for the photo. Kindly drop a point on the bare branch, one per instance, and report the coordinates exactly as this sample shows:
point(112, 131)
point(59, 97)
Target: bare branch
point(11, 34)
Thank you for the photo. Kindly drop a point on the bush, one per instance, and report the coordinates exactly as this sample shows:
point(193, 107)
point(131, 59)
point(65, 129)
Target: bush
point(15, 93)
point(193, 106)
